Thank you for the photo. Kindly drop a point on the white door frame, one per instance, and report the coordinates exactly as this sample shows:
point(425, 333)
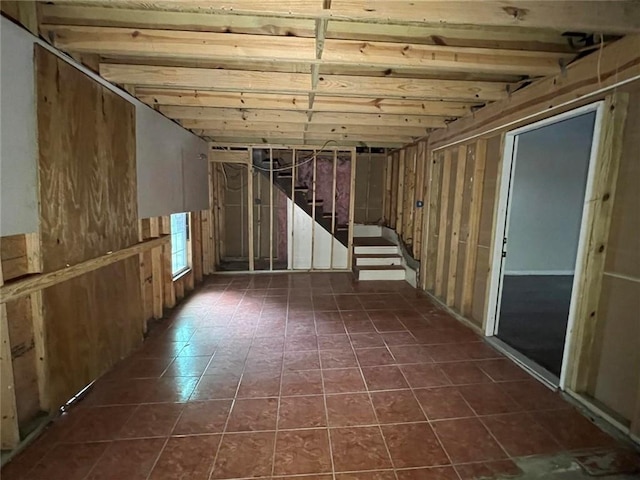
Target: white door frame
point(502, 219)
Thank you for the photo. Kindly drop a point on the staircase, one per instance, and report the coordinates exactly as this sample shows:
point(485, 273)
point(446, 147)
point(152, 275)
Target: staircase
point(376, 258)
point(302, 197)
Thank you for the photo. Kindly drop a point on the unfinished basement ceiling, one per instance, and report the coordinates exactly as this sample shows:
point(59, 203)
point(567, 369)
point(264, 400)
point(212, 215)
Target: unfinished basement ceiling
point(370, 73)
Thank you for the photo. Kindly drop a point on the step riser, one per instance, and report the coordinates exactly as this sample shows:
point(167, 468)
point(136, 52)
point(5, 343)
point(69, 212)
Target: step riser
point(381, 275)
point(378, 261)
point(363, 250)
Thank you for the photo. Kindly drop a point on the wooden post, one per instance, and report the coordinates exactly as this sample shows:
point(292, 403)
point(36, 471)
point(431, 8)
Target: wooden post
point(157, 281)
point(386, 205)
point(10, 434)
point(293, 207)
point(333, 202)
point(250, 206)
point(442, 230)
point(430, 266)
point(430, 184)
point(475, 209)
point(421, 171)
point(196, 246)
point(400, 194)
point(313, 209)
point(167, 277)
point(494, 228)
point(34, 262)
point(393, 207)
point(352, 208)
point(409, 194)
point(455, 225)
point(586, 336)
point(271, 209)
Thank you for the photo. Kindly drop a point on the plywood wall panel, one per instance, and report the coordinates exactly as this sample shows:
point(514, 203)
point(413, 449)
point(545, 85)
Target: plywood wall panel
point(88, 209)
point(86, 164)
point(92, 322)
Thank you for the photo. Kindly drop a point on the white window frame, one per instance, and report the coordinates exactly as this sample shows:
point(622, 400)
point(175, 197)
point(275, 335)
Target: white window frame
point(180, 244)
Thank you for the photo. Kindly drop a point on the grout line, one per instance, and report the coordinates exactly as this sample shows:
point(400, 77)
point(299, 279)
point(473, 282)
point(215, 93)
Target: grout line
point(275, 440)
point(215, 458)
point(384, 440)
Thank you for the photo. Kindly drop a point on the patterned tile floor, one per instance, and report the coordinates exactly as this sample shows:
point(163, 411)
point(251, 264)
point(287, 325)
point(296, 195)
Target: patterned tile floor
point(312, 376)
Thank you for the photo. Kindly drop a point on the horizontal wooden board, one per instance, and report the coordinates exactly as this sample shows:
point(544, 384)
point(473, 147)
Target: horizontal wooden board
point(561, 15)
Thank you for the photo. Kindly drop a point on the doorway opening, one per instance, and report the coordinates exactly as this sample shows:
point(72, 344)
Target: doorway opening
point(546, 179)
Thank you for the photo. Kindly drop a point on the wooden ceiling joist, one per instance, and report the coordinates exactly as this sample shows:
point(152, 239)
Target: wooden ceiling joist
point(376, 106)
point(209, 46)
point(522, 38)
point(254, 115)
point(358, 72)
point(364, 130)
point(276, 82)
point(560, 15)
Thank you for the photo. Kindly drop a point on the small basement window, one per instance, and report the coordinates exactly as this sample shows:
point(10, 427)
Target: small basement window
point(179, 243)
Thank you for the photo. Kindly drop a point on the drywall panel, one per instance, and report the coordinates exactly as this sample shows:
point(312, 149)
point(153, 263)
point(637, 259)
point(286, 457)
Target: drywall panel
point(172, 167)
point(195, 172)
point(301, 229)
point(547, 197)
point(18, 138)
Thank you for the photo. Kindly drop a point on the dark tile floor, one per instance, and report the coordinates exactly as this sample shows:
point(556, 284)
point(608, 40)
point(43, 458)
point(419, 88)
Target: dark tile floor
point(312, 376)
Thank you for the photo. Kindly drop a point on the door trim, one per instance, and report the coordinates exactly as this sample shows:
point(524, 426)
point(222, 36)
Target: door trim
point(505, 187)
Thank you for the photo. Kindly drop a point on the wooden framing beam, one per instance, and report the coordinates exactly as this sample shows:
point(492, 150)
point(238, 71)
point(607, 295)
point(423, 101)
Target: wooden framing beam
point(26, 286)
point(454, 245)
point(386, 196)
point(421, 181)
point(427, 261)
point(400, 193)
point(187, 45)
point(228, 156)
point(217, 116)
point(291, 83)
point(164, 97)
point(178, 44)
point(562, 15)
point(443, 58)
point(250, 206)
point(586, 335)
point(616, 63)
point(277, 139)
point(443, 220)
point(293, 129)
point(352, 208)
point(10, 434)
point(75, 14)
point(475, 209)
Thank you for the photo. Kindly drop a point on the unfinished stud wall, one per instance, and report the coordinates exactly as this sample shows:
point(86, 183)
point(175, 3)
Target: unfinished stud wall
point(76, 297)
point(461, 185)
point(405, 175)
point(614, 360)
point(369, 190)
